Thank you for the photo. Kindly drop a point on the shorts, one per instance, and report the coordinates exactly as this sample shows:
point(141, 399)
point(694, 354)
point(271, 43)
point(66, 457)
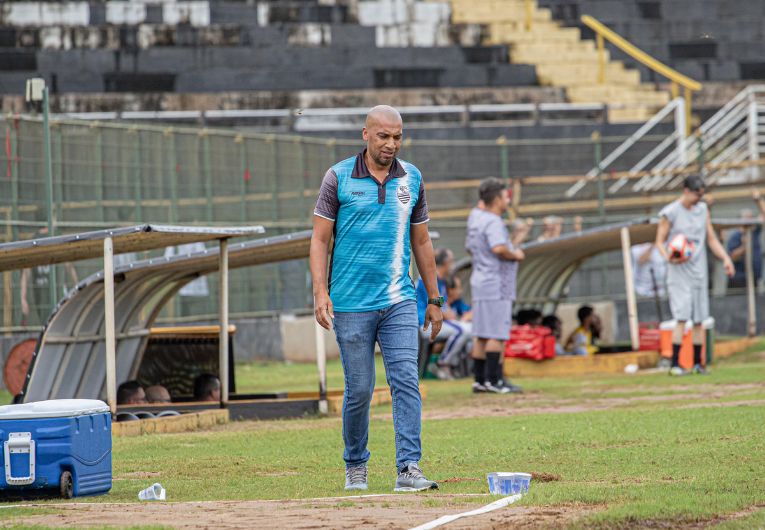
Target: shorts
point(492, 319)
point(688, 303)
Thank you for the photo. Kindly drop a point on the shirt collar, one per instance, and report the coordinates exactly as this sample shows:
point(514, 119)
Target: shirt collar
point(360, 169)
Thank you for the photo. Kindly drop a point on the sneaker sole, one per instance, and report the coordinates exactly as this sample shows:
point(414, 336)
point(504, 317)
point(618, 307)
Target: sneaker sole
point(356, 488)
point(410, 490)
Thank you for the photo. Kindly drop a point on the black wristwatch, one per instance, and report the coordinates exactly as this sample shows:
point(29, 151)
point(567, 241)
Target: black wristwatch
point(436, 301)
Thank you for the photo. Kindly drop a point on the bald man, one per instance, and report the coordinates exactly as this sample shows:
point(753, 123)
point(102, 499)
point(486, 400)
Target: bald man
point(374, 205)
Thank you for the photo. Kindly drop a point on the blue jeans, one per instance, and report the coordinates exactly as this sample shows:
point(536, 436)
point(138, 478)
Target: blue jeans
point(395, 329)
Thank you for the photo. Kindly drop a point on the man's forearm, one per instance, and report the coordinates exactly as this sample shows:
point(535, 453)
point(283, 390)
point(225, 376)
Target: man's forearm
point(426, 265)
point(508, 255)
point(718, 250)
point(318, 265)
point(738, 253)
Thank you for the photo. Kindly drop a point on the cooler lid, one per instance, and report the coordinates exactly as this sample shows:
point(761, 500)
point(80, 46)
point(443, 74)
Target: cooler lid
point(53, 408)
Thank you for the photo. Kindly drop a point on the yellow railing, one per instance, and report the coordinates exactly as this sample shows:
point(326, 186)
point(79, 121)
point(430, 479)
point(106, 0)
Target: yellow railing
point(529, 5)
point(603, 33)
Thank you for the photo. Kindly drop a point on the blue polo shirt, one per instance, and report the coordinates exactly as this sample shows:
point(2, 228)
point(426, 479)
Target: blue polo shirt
point(369, 267)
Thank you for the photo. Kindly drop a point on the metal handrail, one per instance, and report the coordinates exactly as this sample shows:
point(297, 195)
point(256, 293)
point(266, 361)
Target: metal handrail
point(674, 106)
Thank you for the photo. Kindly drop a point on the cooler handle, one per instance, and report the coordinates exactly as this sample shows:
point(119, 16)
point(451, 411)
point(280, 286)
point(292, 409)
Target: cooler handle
point(19, 443)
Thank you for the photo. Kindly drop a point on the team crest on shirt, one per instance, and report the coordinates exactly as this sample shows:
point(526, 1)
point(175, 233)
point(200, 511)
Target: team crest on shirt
point(403, 194)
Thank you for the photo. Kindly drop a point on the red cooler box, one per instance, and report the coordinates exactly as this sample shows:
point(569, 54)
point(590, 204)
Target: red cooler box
point(529, 342)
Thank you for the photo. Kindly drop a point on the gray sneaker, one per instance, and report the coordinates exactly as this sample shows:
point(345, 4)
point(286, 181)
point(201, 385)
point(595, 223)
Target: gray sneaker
point(356, 477)
point(698, 369)
point(677, 371)
point(412, 479)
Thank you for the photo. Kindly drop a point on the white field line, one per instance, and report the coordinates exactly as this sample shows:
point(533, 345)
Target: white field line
point(309, 499)
point(496, 505)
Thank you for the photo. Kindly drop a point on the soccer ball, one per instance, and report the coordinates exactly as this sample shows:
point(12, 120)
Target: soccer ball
point(680, 248)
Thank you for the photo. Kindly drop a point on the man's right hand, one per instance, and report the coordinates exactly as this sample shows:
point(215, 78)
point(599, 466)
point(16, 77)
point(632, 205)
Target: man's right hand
point(322, 308)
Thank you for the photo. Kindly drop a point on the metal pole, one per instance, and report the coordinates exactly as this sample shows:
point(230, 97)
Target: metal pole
point(321, 364)
point(223, 310)
point(754, 143)
point(243, 168)
point(137, 177)
point(302, 201)
point(172, 172)
point(688, 102)
point(503, 158)
point(109, 332)
point(700, 154)
point(207, 167)
point(629, 282)
point(99, 169)
point(598, 153)
point(598, 148)
point(49, 192)
point(680, 130)
point(749, 268)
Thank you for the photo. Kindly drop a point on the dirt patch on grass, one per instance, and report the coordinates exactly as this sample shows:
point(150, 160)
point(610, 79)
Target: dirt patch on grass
point(541, 476)
point(675, 524)
point(498, 406)
point(382, 511)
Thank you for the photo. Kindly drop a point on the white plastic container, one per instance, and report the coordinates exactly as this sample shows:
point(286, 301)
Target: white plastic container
point(505, 483)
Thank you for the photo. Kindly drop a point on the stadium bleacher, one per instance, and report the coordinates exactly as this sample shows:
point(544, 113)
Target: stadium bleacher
point(708, 40)
point(191, 47)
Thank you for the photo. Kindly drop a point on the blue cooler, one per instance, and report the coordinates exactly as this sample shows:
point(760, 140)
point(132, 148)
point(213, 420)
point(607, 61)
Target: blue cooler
point(64, 445)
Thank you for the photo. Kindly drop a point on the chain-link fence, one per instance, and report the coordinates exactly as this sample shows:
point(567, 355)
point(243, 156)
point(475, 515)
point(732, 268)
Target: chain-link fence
point(123, 174)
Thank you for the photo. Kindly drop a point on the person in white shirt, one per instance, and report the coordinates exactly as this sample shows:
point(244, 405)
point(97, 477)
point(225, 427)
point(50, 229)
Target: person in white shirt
point(650, 270)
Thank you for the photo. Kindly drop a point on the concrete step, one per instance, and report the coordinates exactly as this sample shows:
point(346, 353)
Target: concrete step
point(577, 75)
point(505, 14)
point(632, 114)
point(528, 53)
point(610, 93)
point(538, 34)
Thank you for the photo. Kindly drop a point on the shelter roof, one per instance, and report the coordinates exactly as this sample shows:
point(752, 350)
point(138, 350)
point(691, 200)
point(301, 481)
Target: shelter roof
point(88, 245)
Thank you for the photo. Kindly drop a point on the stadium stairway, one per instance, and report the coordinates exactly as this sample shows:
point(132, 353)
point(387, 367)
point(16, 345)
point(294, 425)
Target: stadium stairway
point(561, 57)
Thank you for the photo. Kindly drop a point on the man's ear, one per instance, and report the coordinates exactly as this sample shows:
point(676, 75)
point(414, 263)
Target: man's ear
point(364, 134)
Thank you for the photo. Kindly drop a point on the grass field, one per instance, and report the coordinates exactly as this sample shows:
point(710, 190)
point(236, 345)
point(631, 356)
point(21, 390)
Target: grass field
point(612, 452)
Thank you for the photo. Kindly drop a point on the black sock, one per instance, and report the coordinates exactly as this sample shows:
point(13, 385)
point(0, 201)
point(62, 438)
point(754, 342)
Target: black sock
point(675, 355)
point(696, 354)
point(493, 367)
point(479, 370)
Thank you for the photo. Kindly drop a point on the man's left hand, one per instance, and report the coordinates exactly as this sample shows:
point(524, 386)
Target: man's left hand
point(730, 270)
point(433, 317)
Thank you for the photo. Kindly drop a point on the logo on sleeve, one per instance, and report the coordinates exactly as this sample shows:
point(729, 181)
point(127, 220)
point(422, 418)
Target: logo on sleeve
point(403, 194)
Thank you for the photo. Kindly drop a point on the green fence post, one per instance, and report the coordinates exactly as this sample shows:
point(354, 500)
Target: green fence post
point(504, 159)
point(598, 150)
point(204, 137)
point(700, 154)
point(58, 195)
point(169, 150)
point(332, 151)
point(598, 153)
point(137, 174)
point(239, 139)
point(99, 169)
point(276, 215)
point(301, 171)
point(14, 179)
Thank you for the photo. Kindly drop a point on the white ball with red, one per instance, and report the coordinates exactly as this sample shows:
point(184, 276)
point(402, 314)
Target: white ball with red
point(680, 248)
